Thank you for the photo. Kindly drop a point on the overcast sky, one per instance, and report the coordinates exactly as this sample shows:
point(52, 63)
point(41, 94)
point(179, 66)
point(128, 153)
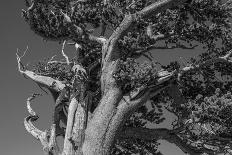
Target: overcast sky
point(15, 33)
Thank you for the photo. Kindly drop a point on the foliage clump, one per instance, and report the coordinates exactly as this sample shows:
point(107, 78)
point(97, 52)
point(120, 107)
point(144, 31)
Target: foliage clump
point(131, 74)
point(58, 71)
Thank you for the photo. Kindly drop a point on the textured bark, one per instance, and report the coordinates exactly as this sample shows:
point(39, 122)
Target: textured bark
point(68, 147)
point(96, 140)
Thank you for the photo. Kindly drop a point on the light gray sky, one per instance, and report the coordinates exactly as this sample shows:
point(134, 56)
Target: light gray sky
point(15, 33)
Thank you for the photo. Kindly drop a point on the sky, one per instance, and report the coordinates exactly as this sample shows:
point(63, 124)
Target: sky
point(16, 34)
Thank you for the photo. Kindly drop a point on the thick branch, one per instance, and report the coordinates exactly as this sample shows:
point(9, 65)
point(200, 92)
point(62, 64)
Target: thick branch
point(68, 147)
point(162, 134)
point(130, 20)
point(77, 113)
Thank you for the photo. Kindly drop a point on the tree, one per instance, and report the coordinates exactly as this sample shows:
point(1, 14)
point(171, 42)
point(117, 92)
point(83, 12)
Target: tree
point(105, 96)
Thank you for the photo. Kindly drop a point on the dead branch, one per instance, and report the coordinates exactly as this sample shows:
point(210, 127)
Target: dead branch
point(64, 55)
point(43, 81)
point(49, 144)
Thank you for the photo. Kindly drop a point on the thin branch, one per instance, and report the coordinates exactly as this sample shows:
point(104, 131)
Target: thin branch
point(49, 144)
point(64, 55)
point(226, 59)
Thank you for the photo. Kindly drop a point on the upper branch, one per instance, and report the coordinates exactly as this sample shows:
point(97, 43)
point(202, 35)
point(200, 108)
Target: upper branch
point(39, 20)
point(130, 19)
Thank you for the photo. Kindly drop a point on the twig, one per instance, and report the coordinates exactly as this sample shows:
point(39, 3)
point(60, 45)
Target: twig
point(65, 56)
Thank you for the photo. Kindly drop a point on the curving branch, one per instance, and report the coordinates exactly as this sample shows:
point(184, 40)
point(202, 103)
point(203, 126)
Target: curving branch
point(132, 101)
point(64, 55)
point(48, 140)
point(43, 81)
point(130, 20)
point(162, 134)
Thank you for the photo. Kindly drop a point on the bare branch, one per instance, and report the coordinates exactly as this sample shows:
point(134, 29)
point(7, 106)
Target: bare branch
point(64, 55)
point(68, 134)
point(49, 144)
point(43, 81)
point(33, 117)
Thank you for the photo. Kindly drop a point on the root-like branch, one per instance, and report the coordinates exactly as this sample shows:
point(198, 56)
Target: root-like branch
point(48, 142)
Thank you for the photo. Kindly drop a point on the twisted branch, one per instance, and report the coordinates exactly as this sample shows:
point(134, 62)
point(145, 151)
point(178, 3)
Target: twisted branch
point(48, 140)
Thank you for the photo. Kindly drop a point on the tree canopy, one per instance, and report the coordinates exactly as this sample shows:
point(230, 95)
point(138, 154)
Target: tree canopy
point(105, 97)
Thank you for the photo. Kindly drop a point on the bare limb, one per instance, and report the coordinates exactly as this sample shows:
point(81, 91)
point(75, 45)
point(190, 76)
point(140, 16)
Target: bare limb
point(33, 117)
point(77, 113)
point(64, 55)
point(68, 147)
point(130, 20)
point(49, 144)
point(43, 81)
